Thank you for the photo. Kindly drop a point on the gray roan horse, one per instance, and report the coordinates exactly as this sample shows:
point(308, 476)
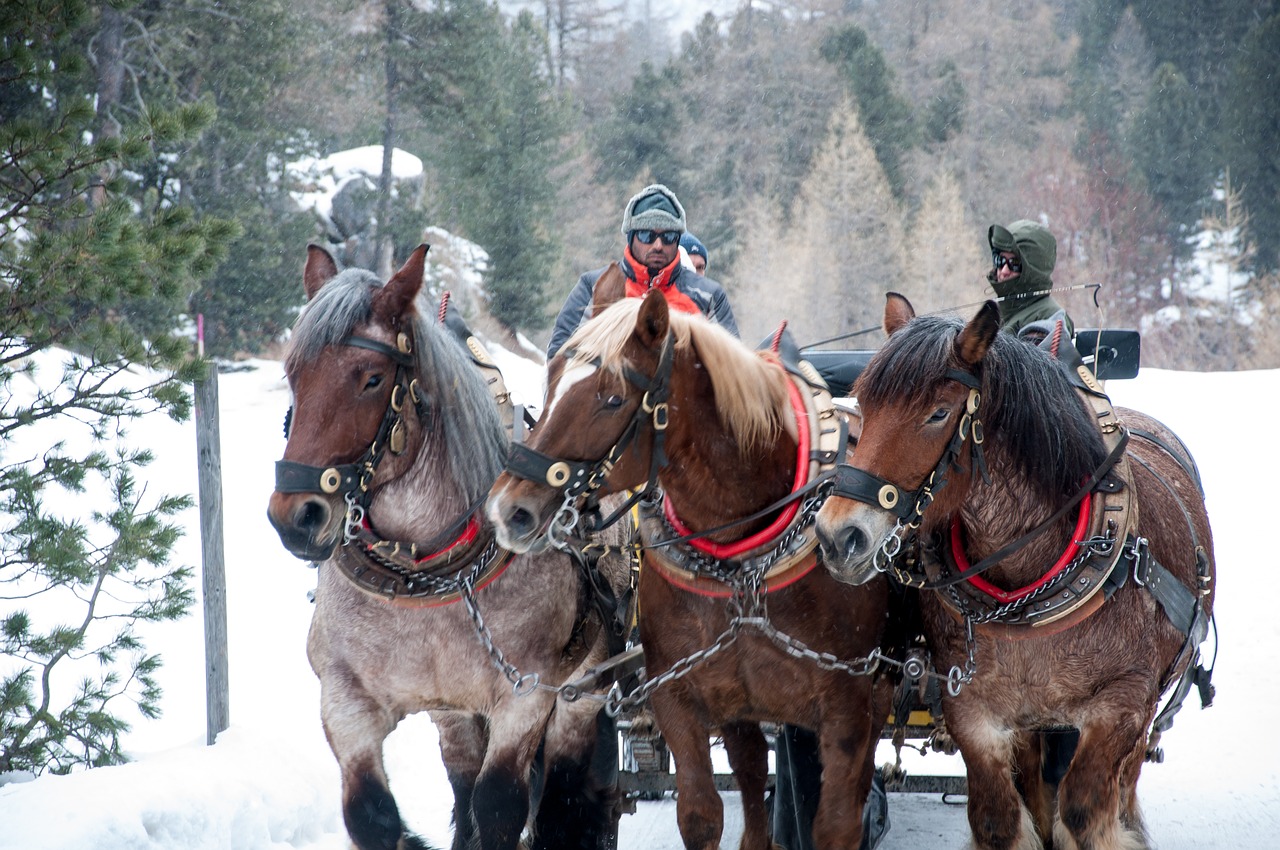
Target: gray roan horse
point(393, 442)
point(1067, 554)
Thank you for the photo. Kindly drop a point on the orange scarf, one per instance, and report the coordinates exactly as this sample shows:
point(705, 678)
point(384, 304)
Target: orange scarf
point(663, 281)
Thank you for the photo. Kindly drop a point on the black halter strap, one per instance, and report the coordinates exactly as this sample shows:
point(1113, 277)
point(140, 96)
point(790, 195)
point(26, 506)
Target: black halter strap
point(294, 477)
point(579, 478)
point(909, 506)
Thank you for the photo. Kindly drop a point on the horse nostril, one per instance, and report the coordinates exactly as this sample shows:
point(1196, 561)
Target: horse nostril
point(855, 542)
point(520, 521)
point(312, 515)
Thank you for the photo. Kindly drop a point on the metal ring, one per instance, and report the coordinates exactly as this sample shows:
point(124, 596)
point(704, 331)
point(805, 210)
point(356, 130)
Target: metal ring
point(888, 497)
point(569, 693)
point(558, 474)
point(526, 684)
point(397, 397)
point(402, 343)
point(971, 405)
point(955, 681)
point(330, 480)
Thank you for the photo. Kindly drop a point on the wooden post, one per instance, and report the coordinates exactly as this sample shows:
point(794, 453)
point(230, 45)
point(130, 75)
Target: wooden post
point(209, 453)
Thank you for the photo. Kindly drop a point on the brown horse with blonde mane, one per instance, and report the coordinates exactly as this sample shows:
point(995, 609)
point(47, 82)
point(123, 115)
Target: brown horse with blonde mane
point(738, 622)
point(394, 439)
point(1066, 558)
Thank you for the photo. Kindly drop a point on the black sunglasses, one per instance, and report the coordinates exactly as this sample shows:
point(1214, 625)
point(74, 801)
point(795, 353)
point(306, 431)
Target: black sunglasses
point(647, 237)
point(1001, 260)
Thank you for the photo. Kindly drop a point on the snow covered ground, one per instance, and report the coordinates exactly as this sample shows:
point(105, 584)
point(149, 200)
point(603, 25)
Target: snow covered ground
point(270, 782)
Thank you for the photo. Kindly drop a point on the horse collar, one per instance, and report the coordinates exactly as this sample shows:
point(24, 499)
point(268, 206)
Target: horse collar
point(394, 573)
point(780, 554)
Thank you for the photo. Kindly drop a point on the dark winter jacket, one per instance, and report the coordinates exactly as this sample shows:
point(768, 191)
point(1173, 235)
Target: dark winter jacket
point(1037, 250)
point(683, 287)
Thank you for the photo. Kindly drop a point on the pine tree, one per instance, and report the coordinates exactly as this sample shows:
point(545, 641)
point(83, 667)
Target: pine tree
point(1168, 141)
point(82, 249)
point(848, 234)
point(947, 261)
point(1252, 145)
point(885, 115)
point(499, 132)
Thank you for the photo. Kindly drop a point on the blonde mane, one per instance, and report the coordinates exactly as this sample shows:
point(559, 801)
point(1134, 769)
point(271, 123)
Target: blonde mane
point(751, 390)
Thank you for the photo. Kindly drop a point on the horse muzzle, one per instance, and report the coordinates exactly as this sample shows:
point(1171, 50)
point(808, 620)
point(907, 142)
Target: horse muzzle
point(850, 541)
point(307, 523)
point(519, 519)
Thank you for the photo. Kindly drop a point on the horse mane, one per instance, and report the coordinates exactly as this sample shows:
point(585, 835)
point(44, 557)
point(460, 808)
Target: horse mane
point(751, 390)
point(1030, 412)
point(464, 417)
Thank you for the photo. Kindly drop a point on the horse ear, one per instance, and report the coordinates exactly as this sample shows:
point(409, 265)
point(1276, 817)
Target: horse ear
point(973, 342)
point(320, 268)
point(396, 297)
point(897, 312)
point(653, 319)
point(610, 287)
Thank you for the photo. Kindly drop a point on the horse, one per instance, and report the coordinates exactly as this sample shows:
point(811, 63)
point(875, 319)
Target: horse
point(394, 439)
point(1064, 557)
point(738, 623)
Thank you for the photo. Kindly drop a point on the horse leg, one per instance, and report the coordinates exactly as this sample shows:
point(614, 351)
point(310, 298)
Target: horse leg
point(699, 809)
point(1089, 797)
point(356, 726)
point(748, 753)
point(579, 805)
point(501, 797)
point(1028, 778)
point(997, 816)
point(462, 746)
point(846, 746)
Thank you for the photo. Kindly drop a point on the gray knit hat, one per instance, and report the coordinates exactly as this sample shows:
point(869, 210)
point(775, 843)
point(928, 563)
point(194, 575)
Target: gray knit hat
point(653, 208)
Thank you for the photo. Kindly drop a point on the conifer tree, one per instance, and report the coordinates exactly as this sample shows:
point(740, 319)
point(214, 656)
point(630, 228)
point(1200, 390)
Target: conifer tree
point(79, 261)
point(848, 233)
point(947, 263)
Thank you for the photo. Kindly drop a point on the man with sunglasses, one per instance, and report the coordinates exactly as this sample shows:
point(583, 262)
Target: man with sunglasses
point(653, 223)
point(1023, 255)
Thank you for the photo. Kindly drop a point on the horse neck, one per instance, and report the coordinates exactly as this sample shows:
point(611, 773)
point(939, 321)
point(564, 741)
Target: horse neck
point(710, 481)
point(997, 514)
point(426, 499)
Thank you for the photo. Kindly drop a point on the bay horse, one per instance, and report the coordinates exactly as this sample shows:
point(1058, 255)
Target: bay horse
point(394, 439)
point(1066, 559)
point(739, 626)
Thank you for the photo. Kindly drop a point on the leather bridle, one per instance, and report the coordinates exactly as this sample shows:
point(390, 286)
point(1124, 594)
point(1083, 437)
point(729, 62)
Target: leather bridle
point(577, 479)
point(351, 480)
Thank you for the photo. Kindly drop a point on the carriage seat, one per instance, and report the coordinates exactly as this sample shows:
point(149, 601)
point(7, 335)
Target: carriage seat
point(1113, 353)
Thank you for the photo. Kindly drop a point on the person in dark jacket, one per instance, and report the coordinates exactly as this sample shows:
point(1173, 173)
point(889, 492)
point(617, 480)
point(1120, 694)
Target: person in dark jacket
point(1023, 256)
point(653, 223)
point(697, 252)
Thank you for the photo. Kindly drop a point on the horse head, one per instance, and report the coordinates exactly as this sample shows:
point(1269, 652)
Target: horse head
point(604, 388)
point(916, 395)
point(355, 400)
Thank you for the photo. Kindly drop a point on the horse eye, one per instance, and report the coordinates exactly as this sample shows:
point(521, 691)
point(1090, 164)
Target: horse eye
point(374, 382)
point(939, 415)
point(614, 401)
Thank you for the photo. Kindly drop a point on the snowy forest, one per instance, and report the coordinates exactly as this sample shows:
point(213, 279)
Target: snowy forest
point(825, 151)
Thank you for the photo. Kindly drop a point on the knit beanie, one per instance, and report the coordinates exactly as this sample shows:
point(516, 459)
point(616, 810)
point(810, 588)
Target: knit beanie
point(653, 208)
point(692, 245)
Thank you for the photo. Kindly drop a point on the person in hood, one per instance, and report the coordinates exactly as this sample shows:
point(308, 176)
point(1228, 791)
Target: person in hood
point(653, 223)
point(1023, 256)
